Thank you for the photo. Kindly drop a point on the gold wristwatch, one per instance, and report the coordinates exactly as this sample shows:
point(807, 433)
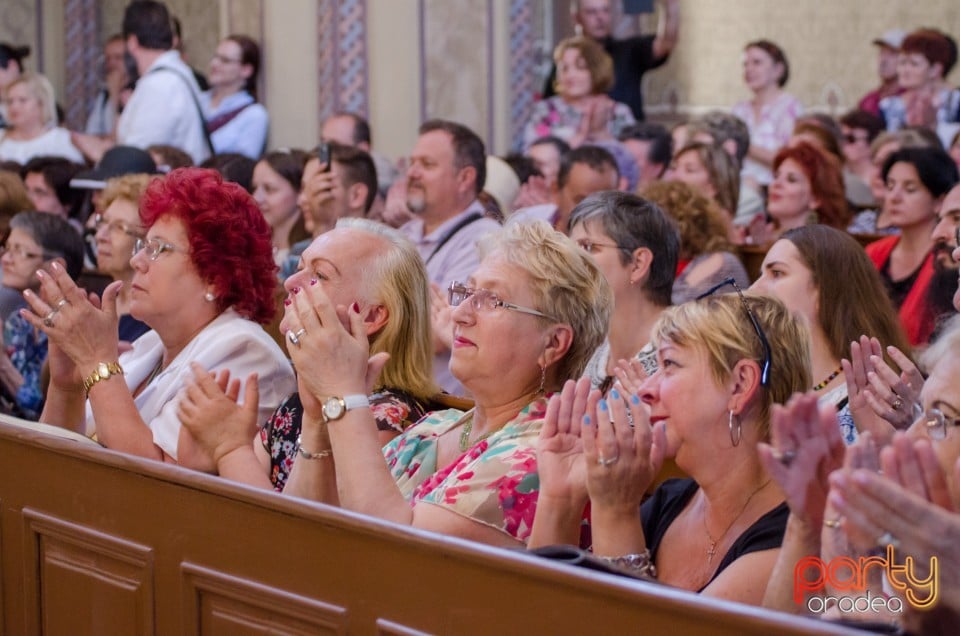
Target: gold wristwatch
point(336, 407)
point(104, 371)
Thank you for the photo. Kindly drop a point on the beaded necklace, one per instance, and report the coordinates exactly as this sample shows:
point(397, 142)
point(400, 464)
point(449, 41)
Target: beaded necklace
point(829, 379)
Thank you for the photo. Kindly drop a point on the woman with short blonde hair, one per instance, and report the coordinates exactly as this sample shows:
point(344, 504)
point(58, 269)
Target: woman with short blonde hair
point(32, 123)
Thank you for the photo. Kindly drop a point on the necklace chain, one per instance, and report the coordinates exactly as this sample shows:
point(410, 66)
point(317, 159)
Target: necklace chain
point(712, 550)
point(465, 435)
point(829, 379)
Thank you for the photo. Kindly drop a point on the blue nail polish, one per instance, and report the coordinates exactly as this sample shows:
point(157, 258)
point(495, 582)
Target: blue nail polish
point(603, 405)
point(586, 420)
point(635, 399)
point(614, 394)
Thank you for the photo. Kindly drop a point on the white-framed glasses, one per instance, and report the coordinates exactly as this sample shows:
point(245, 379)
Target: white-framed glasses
point(486, 300)
point(154, 247)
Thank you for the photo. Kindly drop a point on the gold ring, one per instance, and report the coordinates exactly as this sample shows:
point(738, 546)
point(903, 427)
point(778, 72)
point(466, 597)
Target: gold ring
point(831, 523)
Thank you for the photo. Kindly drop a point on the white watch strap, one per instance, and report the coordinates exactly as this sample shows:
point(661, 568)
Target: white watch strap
point(355, 401)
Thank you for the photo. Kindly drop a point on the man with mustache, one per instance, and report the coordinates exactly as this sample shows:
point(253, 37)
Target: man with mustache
point(943, 290)
point(446, 173)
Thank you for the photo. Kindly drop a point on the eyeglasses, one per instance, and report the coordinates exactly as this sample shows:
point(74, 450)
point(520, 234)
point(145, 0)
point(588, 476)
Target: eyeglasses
point(935, 421)
point(767, 354)
point(486, 300)
point(20, 252)
point(592, 247)
point(114, 227)
point(154, 247)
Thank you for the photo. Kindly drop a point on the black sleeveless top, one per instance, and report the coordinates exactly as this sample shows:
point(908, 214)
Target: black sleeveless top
point(666, 503)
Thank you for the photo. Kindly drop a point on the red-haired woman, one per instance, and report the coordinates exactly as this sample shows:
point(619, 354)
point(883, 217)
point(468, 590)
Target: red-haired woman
point(807, 188)
point(203, 278)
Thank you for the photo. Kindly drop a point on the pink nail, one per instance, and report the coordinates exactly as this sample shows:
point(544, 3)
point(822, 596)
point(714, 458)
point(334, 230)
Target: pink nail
point(356, 307)
point(287, 301)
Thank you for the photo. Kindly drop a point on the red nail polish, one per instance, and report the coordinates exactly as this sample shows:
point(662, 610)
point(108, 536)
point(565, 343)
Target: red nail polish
point(296, 290)
point(356, 307)
point(313, 281)
point(287, 301)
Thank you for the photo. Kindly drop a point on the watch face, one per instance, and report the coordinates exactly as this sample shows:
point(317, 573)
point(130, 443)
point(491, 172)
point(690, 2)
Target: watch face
point(333, 408)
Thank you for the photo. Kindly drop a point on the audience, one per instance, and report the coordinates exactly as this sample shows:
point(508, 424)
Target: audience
point(203, 278)
point(888, 52)
point(277, 179)
point(106, 107)
point(31, 120)
point(652, 148)
point(712, 171)
point(11, 66)
point(48, 186)
point(859, 129)
point(771, 113)
point(235, 121)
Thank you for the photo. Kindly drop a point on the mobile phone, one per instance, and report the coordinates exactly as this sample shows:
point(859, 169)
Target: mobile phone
point(323, 153)
point(635, 7)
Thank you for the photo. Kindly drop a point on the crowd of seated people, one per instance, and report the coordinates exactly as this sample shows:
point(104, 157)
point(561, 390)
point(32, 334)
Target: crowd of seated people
point(510, 350)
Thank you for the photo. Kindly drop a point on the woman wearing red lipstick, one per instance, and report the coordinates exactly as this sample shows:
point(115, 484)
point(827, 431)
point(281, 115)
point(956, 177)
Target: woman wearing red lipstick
point(203, 279)
point(724, 361)
point(524, 322)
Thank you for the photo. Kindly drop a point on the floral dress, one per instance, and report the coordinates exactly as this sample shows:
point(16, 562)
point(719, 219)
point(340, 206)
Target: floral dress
point(494, 482)
point(555, 117)
point(27, 350)
point(393, 410)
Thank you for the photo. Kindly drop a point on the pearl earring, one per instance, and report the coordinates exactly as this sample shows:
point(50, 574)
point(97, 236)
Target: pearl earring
point(209, 297)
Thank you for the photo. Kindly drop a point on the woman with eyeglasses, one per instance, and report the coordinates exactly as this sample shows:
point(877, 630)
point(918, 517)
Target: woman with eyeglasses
point(235, 121)
point(203, 278)
point(635, 245)
point(524, 322)
point(724, 361)
point(801, 271)
point(37, 240)
point(117, 231)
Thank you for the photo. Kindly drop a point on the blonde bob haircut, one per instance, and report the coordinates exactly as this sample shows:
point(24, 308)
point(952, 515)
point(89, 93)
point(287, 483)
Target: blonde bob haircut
point(565, 283)
point(599, 63)
point(719, 325)
point(42, 90)
point(128, 187)
point(397, 278)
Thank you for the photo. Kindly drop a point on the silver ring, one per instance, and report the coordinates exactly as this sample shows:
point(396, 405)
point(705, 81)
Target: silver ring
point(786, 457)
point(897, 403)
point(61, 303)
point(603, 461)
point(886, 539)
point(294, 338)
point(48, 319)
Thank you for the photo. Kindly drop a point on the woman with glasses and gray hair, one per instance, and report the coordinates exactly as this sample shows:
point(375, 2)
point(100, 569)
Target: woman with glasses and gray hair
point(526, 321)
point(724, 361)
point(37, 240)
point(635, 245)
point(203, 278)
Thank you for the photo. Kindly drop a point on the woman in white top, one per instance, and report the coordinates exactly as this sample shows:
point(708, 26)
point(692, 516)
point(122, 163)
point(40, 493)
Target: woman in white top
point(32, 123)
point(203, 278)
point(236, 122)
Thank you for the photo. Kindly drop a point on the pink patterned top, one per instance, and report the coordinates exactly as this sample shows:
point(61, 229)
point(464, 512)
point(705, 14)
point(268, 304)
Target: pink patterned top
point(495, 482)
point(771, 130)
point(555, 117)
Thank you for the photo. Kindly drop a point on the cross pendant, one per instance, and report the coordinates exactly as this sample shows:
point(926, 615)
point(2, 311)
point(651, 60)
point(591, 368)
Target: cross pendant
point(711, 551)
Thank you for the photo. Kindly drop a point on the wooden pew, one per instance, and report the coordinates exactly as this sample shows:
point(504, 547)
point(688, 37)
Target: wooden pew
point(95, 542)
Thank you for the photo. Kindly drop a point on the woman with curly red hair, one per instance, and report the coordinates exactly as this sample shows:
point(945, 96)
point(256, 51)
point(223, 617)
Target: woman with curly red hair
point(807, 188)
point(203, 278)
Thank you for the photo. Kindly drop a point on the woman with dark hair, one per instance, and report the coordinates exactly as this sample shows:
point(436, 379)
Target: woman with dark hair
point(580, 112)
point(712, 171)
point(277, 179)
point(11, 67)
point(203, 278)
point(771, 113)
point(801, 270)
point(807, 188)
point(917, 180)
point(235, 121)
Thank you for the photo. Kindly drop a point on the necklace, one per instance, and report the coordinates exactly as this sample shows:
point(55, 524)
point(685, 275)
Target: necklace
point(465, 435)
point(712, 550)
point(829, 379)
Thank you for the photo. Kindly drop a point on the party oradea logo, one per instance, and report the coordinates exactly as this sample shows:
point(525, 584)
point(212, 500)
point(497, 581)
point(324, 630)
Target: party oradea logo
point(848, 577)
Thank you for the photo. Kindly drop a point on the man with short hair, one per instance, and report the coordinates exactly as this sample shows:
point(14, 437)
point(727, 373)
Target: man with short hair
point(48, 185)
point(106, 107)
point(943, 288)
point(447, 171)
point(888, 51)
point(632, 57)
point(345, 188)
point(583, 171)
point(350, 129)
point(651, 146)
point(165, 106)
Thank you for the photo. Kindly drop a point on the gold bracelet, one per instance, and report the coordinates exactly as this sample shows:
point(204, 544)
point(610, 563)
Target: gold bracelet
point(103, 371)
point(307, 455)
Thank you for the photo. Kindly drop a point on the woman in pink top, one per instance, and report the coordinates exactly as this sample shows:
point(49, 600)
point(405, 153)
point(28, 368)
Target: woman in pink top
point(771, 113)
